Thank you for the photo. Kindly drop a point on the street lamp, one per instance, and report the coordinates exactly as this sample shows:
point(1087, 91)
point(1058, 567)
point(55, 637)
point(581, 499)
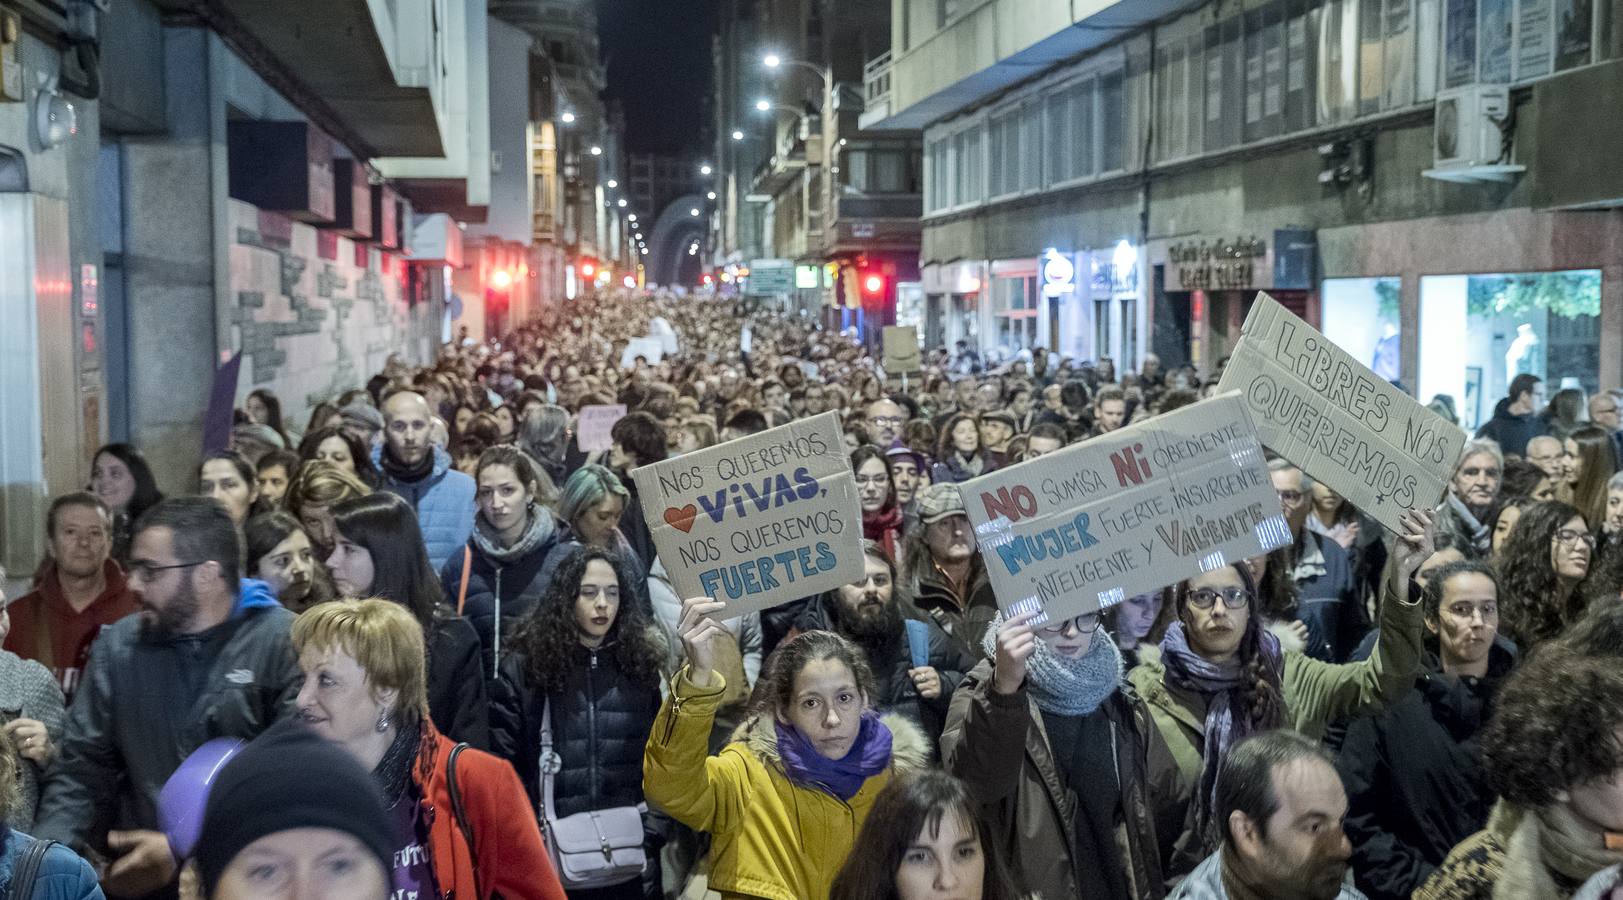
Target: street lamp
point(694, 211)
point(596, 150)
point(710, 196)
point(568, 118)
point(621, 203)
point(763, 105)
point(705, 169)
point(613, 184)
point(773, 61)
point(632, 217)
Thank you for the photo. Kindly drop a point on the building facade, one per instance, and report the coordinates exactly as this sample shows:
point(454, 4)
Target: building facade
point(1112, 179)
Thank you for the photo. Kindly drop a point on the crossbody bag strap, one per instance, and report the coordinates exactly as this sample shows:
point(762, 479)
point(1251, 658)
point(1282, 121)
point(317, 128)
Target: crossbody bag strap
point(461, 813)
point(467, 568)
point(25, 873)
point(550, 762)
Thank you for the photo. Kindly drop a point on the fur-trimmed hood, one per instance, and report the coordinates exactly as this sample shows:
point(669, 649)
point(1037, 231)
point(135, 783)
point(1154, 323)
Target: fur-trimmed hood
point(909, 748)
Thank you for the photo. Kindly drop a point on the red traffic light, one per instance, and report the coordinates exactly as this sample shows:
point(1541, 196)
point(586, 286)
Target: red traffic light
point(873, 285)
point(588, 269)
point(707, 279)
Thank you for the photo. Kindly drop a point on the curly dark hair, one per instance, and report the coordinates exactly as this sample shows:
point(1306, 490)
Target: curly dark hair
point(1261, 695)
point(1531, 608)
point(1556, 725)
point(549, 633)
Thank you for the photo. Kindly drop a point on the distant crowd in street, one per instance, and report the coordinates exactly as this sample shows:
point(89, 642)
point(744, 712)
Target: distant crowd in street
point(424, 646)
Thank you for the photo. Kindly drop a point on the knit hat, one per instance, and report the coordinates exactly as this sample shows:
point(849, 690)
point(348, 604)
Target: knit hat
point(940, 501)
point(290, 778)
point(262, 434)
point(363, 415)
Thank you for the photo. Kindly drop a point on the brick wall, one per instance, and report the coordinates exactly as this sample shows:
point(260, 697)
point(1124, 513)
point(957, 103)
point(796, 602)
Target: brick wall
point(315, 314)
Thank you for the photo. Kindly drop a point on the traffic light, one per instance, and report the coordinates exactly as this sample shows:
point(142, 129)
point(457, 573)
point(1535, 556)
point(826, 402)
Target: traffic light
point(588, 269)
point(873, 285)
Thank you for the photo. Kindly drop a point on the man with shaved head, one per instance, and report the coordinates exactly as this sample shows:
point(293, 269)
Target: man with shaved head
point(420, 472)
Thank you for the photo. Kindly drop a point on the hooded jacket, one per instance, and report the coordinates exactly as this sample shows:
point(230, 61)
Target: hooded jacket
point(1315, 694)
point(148, 700)
point(1031, 806)
point(771, 838)
point(1414, 778)
point(444, 501)
point(1512, 432)
point(502, 582)
point(457, 696)
point(46, 629)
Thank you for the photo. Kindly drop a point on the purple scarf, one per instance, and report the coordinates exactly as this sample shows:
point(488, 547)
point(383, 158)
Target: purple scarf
point(841, 777)
point(1189, 671)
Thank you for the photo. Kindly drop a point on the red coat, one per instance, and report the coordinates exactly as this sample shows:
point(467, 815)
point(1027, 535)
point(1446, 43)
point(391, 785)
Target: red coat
point(46, 629)
point(512, 859)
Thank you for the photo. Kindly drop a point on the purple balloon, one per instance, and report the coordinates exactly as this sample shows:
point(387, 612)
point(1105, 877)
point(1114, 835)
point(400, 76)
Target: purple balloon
point(186, 794)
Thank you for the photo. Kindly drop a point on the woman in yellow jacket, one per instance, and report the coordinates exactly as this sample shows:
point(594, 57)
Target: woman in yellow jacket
point(784, 801)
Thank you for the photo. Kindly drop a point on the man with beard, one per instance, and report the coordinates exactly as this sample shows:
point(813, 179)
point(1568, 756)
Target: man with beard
point(873, 615)
point(208, 656)
point(80, 591)
point(1279, 807)
point(422, 475)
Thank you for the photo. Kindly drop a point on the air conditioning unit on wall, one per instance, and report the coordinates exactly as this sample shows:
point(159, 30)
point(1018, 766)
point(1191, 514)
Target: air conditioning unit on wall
point(1466, 140)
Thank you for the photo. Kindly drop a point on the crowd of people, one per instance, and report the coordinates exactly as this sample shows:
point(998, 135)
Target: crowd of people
point(426, 647)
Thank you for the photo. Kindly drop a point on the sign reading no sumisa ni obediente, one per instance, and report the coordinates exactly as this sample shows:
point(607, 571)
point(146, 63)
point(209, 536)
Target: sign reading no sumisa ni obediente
point(1127, 512)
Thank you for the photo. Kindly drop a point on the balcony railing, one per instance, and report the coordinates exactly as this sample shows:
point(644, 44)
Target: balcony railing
point(875, 90)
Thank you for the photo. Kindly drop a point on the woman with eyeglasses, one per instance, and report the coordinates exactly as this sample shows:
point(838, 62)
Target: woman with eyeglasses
point(881, 513)
point(1077, 816)
point(1546, 557)
point(1222, 676)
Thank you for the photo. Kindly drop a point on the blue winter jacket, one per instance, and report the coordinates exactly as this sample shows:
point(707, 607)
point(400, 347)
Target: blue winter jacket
point(62, 874)
point(444, 500)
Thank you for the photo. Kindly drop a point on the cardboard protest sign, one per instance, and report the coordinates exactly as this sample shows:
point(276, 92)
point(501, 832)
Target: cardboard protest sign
point(1319, 407)
point(901, 343)
point(1127, 512)
point(594, 424)
point(759, 521)
point(651, 349)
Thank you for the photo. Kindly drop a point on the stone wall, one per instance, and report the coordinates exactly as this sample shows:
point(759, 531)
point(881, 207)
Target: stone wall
point(315, 314)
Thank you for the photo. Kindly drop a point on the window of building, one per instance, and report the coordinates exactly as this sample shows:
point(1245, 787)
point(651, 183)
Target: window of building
point(971, 166)
point(1014, 313)
point(876, 170)
point(1112, 122)
point(1031, 146)
point(1361, 316)
point(1544, 323)
point(1061, 155)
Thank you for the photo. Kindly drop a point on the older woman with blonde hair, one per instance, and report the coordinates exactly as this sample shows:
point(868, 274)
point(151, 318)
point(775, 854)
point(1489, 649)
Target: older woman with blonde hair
point(313, 493)
point(462, 824)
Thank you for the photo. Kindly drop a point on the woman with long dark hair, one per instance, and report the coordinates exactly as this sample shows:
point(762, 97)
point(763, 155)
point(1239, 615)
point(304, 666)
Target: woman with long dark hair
point(922, 841)
point(281, 555)
point(881, 514)
point(379, 552)
point(1222, 676)
point(121, 478)
point(265, 408)
point(227, 477)
point(586, 669)
point(1545, 558)
point(1591, 462)
point(959, 453)
point(342, 449)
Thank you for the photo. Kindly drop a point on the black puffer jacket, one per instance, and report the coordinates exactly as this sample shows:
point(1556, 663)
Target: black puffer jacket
point(600, 725)
point(506, 580)
point(1414, 777)
point(456, 689)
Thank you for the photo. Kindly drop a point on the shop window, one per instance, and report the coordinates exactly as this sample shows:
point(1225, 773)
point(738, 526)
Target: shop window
point(1362, 316)
point(1014, 314)
point(1545, 323)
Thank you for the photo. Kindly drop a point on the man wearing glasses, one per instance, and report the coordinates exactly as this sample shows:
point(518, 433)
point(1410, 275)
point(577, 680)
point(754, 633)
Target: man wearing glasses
point(1327, 599)
point(1604, 410)
point(208, 656)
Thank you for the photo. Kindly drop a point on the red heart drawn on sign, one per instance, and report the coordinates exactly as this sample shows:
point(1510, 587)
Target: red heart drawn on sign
point(682, 518)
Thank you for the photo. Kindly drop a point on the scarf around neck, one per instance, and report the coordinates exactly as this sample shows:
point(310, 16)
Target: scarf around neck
point(842, 778)
point(1067, 686)
point(1548, 854)
point(1481, 535)
point(403, 473)
point(535, 534)
point(1217, 682)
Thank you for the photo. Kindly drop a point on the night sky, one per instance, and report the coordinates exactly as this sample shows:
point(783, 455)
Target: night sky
point(658, 54)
